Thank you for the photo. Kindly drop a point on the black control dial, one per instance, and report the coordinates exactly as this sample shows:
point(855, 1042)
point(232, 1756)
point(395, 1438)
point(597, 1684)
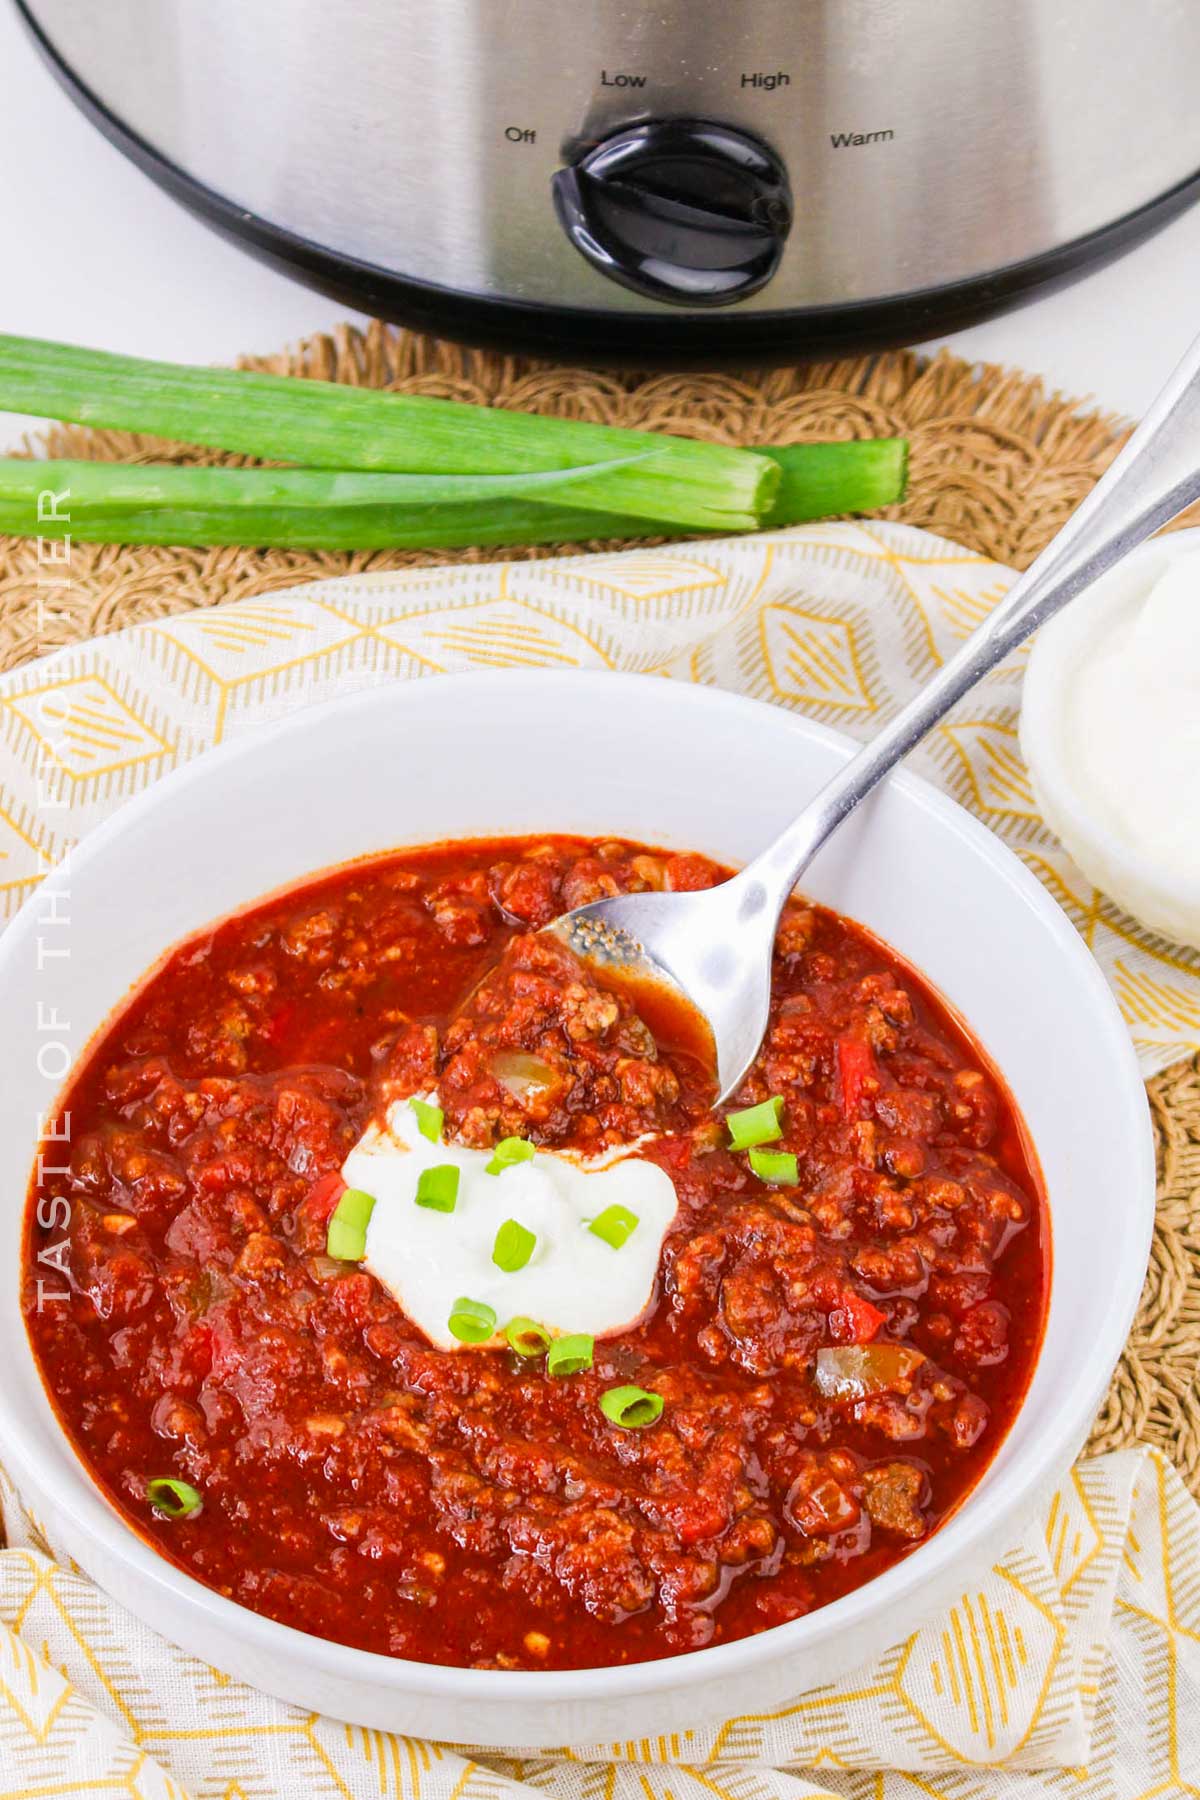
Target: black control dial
point(682, 210)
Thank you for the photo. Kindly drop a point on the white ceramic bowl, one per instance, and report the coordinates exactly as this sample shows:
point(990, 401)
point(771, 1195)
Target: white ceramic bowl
point(1148, 887)
point(673, 764)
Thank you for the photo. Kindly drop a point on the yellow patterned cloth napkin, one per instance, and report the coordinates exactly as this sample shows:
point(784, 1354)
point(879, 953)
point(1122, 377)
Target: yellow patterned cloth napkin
point(1078, 1653)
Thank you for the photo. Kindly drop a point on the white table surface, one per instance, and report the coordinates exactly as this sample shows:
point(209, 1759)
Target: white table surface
point(95, 253)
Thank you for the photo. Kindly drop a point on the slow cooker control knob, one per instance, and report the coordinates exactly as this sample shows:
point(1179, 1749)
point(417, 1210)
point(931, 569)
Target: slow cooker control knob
point(686, 211)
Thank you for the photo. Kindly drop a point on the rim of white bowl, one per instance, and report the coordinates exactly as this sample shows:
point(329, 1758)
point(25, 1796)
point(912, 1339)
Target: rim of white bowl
point(967, 1531)
point(1055, 650)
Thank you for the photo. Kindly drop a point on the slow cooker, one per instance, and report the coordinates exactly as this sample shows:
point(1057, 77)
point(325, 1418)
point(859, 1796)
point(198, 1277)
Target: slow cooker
point(682, 179)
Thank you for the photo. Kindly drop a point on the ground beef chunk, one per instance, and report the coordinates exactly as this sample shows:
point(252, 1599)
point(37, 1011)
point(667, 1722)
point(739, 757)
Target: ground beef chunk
point(892, 1495)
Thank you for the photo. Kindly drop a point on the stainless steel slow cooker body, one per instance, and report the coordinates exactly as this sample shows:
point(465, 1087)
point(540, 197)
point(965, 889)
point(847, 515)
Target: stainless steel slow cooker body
point(667, 179)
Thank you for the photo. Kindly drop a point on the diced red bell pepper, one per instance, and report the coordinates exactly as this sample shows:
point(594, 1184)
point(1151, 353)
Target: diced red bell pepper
point(854, 1320)
point(855, 1067)
point(324, 1195)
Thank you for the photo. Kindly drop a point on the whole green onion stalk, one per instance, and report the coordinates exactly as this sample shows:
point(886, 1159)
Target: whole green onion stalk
point(327, 425)
point(395, 471)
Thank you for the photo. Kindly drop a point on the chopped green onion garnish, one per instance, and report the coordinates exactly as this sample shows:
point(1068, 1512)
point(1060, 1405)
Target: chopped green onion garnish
point(513, 1246)
point(568, 1355)
point(616, 1225)
point(174, 1499)
point(437, 1188)
point(631, 1407)
point(430, 1119)
point(756, 1124)
point(507, 1152)
point(775, 1165)
point(472, 1321)
point(346, 1239)
point(527, 1337)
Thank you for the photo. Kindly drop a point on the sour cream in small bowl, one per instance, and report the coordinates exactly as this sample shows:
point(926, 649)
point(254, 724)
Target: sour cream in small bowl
point(1110, 729)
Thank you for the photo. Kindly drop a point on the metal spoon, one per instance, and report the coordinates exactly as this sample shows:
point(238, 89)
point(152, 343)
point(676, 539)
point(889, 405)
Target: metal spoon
point(715, 945)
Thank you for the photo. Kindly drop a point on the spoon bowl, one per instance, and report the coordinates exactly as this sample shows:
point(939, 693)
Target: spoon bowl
point(710, 948)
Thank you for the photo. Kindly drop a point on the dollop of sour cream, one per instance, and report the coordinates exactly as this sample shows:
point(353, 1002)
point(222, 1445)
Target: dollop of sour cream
point(573, 1282)
point(1133, 723)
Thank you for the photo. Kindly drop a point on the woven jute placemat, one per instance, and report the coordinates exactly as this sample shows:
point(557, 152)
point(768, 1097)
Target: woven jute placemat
point(997, 464)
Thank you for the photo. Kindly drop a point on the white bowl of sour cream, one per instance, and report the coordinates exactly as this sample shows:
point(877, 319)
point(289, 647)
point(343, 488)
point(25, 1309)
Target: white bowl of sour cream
point(1110, 729)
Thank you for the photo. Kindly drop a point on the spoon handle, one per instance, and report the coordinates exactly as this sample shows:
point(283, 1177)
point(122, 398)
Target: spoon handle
point(1155, 476)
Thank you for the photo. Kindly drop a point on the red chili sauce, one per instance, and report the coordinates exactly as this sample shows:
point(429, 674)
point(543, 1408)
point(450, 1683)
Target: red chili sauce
point(466, 1507)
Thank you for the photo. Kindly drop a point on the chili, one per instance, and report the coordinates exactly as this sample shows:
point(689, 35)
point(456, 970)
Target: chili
point(824, 1372)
